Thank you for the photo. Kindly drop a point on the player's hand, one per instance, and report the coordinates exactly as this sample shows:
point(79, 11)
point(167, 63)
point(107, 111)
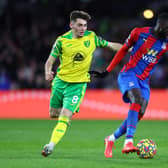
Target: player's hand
point(99, 74)
point(49, 76)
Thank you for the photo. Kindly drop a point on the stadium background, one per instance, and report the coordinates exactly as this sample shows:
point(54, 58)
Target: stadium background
point(28, 29)
point(27, 32)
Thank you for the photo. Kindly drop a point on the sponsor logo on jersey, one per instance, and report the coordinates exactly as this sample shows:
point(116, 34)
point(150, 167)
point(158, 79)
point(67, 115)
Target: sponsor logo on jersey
point(78, 57)
point(150, 57)
point(131, 84)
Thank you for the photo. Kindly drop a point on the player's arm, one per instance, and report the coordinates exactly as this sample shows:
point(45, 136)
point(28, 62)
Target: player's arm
point(114, 46)
point(49, 74)
point(118, 56)
point(55, 52)
point(100, 42)
point(116, 60)
point(122, 52)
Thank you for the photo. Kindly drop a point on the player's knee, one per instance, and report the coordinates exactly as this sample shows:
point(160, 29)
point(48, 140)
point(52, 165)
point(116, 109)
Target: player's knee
point(135, 96)
point(138, 100)
point(142, 111)
point(54, 113)
point(143, 107)
point(66, 112)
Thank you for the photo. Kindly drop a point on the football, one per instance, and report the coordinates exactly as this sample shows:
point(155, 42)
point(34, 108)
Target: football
point(146, 148)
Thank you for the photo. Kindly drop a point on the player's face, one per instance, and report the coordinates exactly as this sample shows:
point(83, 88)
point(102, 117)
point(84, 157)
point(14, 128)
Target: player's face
point(79, 27)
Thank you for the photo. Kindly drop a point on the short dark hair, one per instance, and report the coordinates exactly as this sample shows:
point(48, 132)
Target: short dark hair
point(163, 16)
point(79, 14)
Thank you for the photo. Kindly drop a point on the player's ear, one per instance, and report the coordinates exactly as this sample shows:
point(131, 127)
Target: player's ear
point(71, 25)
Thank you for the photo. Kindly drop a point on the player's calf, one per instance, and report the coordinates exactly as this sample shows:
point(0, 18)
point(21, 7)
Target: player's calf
point(54, 112)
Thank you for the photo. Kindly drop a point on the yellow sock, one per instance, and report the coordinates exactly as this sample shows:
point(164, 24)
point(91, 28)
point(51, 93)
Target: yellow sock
point(59, 129)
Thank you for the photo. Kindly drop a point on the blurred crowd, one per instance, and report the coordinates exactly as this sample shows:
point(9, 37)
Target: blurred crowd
point(29, 28)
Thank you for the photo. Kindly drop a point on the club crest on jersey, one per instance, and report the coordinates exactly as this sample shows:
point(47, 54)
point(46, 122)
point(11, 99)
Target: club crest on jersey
point(164, 46)
point(87, 43)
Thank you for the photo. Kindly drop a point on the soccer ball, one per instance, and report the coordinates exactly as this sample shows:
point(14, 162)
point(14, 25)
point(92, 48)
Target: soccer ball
point(146, 148)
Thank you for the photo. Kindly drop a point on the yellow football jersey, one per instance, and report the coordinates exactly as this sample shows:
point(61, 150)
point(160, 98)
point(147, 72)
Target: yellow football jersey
point(76, 55)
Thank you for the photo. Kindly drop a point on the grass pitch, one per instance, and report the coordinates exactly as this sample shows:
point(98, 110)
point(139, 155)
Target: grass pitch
point(21, 142)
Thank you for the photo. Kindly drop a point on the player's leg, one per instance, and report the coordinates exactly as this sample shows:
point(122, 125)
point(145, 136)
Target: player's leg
point(136, 100)
point(145, 90)
point(73, 96)
point(131, 127)
point(61, 126)
point(143, 109)
point(123, 127)
point(56, 101)
point(58, 131)
point(126, 81)
point(121, 130)
point(137, 97)
point(109, 140)
point(128, 126)
point(54, 112)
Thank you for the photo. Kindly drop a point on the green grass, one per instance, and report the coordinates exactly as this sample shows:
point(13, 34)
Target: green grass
point(21, 142)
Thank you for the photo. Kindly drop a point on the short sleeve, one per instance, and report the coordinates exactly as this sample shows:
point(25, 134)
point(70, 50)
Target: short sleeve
point(100, 42)
point(132, 38)
point(57, 48)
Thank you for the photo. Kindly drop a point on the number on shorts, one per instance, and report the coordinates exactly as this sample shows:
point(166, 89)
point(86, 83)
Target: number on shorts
point(75, 99)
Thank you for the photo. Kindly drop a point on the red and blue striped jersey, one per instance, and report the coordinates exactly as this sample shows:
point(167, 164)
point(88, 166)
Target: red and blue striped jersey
point(146, 52)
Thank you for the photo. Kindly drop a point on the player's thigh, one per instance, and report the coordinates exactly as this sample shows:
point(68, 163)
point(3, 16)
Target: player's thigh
point(57, 91)
point(127, 81)
point(73, 96)
point(66, 112)
point(135, 95)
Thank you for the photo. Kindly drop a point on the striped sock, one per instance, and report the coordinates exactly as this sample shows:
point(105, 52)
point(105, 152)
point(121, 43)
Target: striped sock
point(121, 130)
point(132, 120)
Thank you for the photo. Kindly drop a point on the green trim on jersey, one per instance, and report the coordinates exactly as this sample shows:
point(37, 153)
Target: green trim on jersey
point(68, 35)
point(87, 33)
point(57, 48)
point(100, 42)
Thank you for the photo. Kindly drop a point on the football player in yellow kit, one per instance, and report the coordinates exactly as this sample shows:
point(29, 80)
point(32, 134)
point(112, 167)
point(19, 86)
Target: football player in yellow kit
point(75, 50)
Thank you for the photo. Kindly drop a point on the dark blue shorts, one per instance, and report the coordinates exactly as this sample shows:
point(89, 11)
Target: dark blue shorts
point(128, 81)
